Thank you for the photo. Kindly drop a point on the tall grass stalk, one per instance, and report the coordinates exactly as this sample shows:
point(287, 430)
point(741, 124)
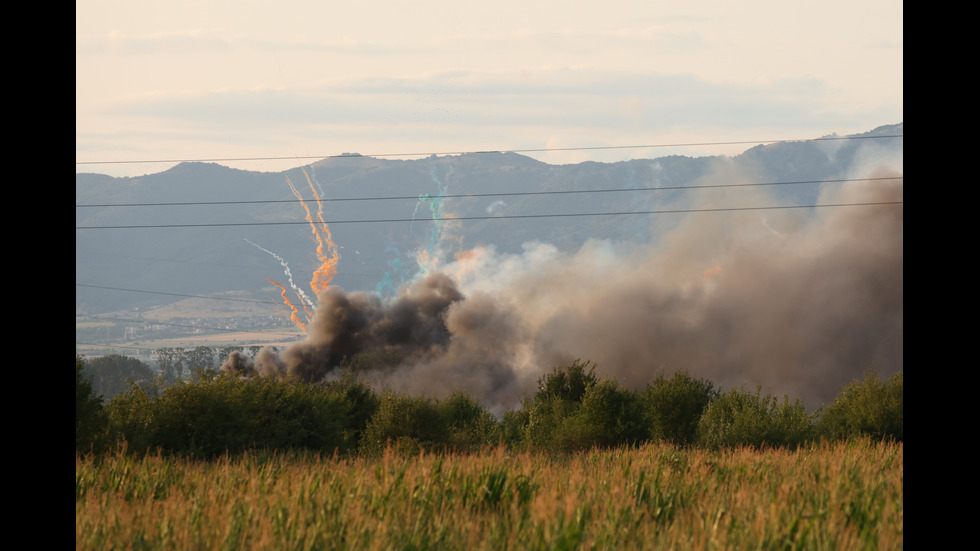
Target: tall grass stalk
point(844, 495)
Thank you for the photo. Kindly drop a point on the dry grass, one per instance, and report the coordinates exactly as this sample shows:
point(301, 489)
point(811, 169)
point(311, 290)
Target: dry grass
point(832, 496)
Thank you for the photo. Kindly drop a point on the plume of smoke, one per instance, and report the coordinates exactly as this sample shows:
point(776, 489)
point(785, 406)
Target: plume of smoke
point(798, 302)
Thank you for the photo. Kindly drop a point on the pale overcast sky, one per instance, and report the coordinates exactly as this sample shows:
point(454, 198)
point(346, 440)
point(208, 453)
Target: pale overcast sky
point(209, 79)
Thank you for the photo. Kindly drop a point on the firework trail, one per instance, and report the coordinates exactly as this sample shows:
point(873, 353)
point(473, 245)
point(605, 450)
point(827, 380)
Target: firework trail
point(328, 269)
point(305, 300)
point(295, 315)
point(388, 286)
point(719, 296)
point(329, 258)
point(428, 258)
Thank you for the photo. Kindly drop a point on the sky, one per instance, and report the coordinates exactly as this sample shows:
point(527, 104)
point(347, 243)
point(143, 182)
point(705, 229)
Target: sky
point(261, 85)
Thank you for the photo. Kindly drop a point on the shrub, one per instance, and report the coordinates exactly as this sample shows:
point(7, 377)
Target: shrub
point(572, 409)
point(673, 407)
point(407, 419)
point(866, 408)
point(739, 417)
point(229, 414)
point(557, 398)
point(608, 416)
point(567, 384)
point(115, 373)
point(90, 419)
point(471, 426)
point(361, 403)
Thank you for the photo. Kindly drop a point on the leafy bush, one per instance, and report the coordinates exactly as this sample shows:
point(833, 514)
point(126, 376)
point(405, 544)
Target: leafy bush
point(607, 416)
point(739, 417)
point(115, 373)
point(673, 407)
point(90, 419)
point(558, 397)
point(567, 384)
point(408, 422)
point(866, 408)
point(230, 414)
point(572, 409)
point(471, 426)
point(411, 424)
point(361, 403)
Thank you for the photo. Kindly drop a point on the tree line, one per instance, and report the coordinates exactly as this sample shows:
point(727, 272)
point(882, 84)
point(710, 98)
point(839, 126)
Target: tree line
point(212, 413)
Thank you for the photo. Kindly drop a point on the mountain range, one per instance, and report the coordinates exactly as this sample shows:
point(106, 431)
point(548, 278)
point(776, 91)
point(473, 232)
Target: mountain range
point(202, 229)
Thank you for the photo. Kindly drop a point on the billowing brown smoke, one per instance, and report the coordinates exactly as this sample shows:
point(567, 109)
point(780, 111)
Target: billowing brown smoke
point(798, 303)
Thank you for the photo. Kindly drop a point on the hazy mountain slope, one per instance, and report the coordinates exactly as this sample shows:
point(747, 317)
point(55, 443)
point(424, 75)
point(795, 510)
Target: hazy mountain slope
point(222, 242)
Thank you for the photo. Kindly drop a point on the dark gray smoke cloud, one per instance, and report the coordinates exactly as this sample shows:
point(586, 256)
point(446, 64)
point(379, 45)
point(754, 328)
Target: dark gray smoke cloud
point(798, 302)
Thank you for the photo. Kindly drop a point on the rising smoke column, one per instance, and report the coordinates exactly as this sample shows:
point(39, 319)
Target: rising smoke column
point(798, 302)
point(801, 311)
point(346, 324)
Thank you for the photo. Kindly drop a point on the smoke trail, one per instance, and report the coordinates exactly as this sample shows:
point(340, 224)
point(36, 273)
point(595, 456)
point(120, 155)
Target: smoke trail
point(304, 300)
point(429, 257)
point(432, 256)
point(324, 273)
point(798, 302)
point(388, 287)
point(328, 267)
point(295, 312)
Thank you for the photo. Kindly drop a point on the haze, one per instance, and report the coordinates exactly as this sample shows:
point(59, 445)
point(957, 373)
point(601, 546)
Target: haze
point(184, 80)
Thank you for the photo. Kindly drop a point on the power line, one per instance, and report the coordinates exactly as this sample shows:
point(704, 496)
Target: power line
point(534, 150)
point(495, 194)
point(489, 217)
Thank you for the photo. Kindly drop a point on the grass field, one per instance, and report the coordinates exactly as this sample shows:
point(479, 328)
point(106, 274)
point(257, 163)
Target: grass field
point(845, 495)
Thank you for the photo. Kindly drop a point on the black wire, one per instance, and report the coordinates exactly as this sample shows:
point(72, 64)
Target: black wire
point(488, 217)
point(497, 194)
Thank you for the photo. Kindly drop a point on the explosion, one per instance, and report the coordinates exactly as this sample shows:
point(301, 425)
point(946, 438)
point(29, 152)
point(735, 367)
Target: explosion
point(800, 311)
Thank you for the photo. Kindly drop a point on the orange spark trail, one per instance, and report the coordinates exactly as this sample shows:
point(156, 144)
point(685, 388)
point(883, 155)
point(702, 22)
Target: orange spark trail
point(328, 268)
point(295, 315)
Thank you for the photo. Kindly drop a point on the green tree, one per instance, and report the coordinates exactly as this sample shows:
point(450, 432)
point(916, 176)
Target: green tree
point(871, 407)
point(171, 362)
point(673, 407)
point(568, 384)
point(90, 420)
point(573, 409)
point(471, 426)
point(607, 416)
point(199, 358)
point(557, 398)
point(115, 373)
point(407, 423)
point(227, 414)
point(742, 418)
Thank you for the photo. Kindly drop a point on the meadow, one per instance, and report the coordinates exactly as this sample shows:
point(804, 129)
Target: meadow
point(843, 494)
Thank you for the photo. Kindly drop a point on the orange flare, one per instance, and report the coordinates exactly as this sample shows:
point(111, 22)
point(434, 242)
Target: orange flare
point(328, 264)
point(295, 314)
point(328, 268)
